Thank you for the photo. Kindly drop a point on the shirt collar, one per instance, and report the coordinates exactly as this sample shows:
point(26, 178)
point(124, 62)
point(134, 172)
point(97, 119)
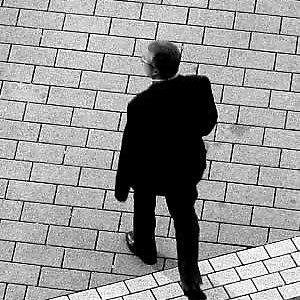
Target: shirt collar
point(159, 80)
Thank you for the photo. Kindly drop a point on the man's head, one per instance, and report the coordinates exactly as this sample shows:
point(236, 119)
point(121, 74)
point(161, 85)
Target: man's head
point(161, 60)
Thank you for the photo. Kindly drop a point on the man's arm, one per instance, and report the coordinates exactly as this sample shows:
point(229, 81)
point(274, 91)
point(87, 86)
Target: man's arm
point(122, 183)
point(210, 113)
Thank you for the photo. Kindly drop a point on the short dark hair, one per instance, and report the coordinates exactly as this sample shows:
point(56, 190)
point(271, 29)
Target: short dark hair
point(166, 58)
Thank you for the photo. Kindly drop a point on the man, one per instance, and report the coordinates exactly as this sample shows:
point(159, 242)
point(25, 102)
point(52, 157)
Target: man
point(163, 153)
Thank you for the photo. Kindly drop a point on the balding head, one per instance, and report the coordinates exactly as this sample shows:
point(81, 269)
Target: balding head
point(165, 57)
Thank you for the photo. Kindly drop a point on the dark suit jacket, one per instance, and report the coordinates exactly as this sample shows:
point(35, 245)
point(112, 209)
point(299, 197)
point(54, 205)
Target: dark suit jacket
point(162, 143)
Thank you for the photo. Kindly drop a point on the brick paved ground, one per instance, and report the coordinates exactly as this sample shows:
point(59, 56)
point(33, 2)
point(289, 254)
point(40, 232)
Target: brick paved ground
point(270, 272)
point(67, 71)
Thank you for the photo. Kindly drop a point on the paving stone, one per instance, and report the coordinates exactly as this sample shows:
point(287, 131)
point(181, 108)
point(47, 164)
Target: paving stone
point(79, 60)
point(4, 51)
point(102, 279)
point(103, 179)
point(227, 113)
point(10, 210)
point(71, 97)
point(282, 138)
point(32, 55)
point(11, 169)
point(30, 191)
point(218, 151)
point(55, 174)
point(64, 279)
point(19, 91)
point(78, 196)
point(281, 234)
point(112, 241)
point(89, 24)
point(179, 33)
point(19, 35)
point(167, 291)
point(211, 18)
point(95, 119)
point(290, 291)
point(246, 96)
point(255, 155)
point(111, 44)
point(262, 117)
point(8, 16)
point(2, 289)
point(112, 101)
point(11, 110)
point(267, 79)
point(291, 275)
point(37, 4)
point(296, 241)
point(71, 237)
point(123, 65)
point(133, 28)
point(15, 292)
point(296, 257)
point(245, 5)
point(280, 248)
point(267, 295)
point(284, 100)
point(103, 81)
point(279, 177)
point(6, 250)
point(293, 120)
point(120, 9)
point(38, 254)
point(242, 235)
point(221, 74)
point(170, 275)
point(240, 288)
point(63, 135)
point(113, 290)
point(18, 72)
point(296, 83)
point(85, 295)
point(164, 13)
point(290, 26)
point(290, 159)
point(279, 7)
point(192, 3)
point(40, 152)
point(95, 219)
point(268, 281)
point(287, 63)
point(217, 294)
point(46, 213)
point(253, 255)
point(233, 172)
point(147, 295)
point(56, 76)
point(88, 260)
point(141, 283)
point(19, 273)
point(40, 19)
point(73, 6)
point(272, 217)
point(225, 262)
point(279, 263)
point(249, 194)
point(104, 140)
point(252, 270)
point(223, 277)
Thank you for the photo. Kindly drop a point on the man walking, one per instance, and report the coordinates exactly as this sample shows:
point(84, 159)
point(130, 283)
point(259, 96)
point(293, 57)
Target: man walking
point(163, 153)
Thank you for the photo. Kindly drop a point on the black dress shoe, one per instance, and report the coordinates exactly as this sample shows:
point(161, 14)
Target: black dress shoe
point(194, 293)
point(148, 260)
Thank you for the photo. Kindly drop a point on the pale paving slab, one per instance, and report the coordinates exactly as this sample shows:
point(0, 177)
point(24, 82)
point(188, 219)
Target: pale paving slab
point(238, 279)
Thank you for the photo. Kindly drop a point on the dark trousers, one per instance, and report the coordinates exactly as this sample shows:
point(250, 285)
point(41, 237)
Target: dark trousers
point(180, 201)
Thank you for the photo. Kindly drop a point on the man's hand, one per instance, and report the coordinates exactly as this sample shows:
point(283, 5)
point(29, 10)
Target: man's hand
point(121, 197)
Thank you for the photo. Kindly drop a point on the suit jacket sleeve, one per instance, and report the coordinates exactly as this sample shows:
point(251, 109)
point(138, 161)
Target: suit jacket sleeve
point(210, 114)
point(122, 183)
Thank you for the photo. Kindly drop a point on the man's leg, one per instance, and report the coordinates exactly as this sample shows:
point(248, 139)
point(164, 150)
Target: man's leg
point(181, 207)
point(144, 222)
